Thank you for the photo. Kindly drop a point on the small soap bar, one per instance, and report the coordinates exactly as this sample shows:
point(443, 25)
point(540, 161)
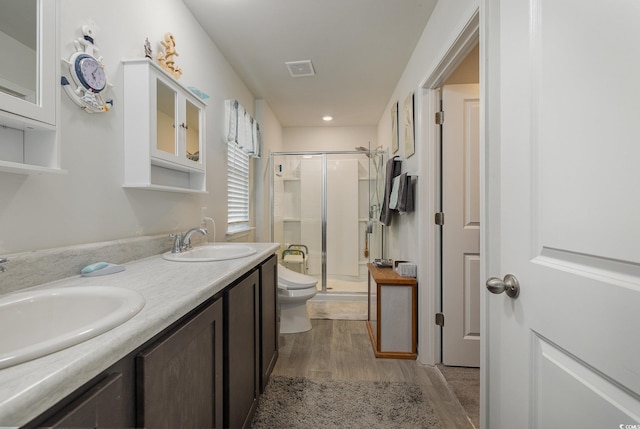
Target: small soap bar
point(101, 269)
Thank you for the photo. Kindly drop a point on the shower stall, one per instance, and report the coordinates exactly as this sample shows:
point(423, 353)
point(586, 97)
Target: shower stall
point(325, 208)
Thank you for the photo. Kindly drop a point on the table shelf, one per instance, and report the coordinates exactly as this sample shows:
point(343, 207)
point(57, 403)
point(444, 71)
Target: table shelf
point(392, 319)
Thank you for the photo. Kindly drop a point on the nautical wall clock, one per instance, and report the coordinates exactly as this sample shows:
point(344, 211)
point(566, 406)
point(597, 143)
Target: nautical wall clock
point(88, 78)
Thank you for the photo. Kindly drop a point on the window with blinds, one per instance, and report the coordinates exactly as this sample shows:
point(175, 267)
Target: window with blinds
point(237, 187)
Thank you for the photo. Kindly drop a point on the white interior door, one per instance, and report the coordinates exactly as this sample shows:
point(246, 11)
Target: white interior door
point(563, 207)
point(461, 230)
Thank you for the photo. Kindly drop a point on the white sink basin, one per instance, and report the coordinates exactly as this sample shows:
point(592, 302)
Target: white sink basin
point(211, 252)
point(36, 323)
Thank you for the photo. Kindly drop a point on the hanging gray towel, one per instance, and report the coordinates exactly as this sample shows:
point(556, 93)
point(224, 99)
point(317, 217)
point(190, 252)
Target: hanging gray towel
point(405, 194)
point(394, 166)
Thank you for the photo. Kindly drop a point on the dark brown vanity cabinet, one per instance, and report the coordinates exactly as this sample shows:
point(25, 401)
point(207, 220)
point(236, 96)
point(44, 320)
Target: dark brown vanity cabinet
point(100, 406)
point(107, 401)
point(180, 377)
point(242, 360)
point(269, 325)
point(207, 370)
point(251, 338)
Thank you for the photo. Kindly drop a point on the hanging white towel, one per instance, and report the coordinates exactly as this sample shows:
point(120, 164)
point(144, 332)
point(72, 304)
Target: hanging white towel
point(232, 120)
point(393, 198)
point(242, 129)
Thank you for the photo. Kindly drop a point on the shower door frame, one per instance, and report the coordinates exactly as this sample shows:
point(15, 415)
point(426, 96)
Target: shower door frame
point(324, 155)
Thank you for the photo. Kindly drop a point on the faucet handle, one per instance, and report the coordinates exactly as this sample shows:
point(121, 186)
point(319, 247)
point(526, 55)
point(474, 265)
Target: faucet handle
point(3, 260)
point(177, 242)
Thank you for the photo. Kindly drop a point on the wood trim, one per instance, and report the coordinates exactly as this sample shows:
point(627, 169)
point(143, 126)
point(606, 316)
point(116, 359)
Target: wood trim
point(388, 277)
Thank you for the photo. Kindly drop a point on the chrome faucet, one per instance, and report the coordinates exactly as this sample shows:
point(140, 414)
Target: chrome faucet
point(186, 239)
point(182, 242)
point(2, 267)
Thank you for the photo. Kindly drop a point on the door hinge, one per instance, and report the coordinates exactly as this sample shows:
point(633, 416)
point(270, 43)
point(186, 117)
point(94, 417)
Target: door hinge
point(440, 319)
point(439, 218)
point(440, 117)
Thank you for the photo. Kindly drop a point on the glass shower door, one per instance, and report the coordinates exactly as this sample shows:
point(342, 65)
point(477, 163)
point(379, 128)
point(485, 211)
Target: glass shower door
point(323, 201)
point(297, 211)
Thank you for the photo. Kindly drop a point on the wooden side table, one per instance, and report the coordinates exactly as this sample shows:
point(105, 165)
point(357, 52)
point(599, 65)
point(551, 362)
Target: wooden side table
point(392, 320)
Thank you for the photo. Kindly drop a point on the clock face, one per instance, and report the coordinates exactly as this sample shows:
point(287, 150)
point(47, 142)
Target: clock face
point(90, 73)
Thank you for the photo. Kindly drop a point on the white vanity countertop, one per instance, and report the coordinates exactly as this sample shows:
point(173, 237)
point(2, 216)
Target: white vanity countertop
point(171, 290)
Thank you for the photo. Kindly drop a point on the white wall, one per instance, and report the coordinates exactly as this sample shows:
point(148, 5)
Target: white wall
point(446, 22)
point(89, 204)
point(272, 142)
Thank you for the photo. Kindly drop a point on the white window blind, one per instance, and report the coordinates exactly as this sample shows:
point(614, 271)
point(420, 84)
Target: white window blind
point(237, 187)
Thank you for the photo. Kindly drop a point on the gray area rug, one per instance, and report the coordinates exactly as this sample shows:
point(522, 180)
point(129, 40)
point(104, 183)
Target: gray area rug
point(303, 403)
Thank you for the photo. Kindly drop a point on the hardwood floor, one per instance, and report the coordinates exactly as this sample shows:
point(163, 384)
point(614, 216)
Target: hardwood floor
point(341, 350)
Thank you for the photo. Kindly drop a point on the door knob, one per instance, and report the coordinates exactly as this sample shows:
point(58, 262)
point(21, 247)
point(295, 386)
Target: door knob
point(509, 284)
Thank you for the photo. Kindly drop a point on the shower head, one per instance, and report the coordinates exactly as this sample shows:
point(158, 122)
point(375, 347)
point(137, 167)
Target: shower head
point(370, 152)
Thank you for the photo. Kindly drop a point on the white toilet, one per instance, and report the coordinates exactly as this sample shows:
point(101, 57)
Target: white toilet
point(294, 289)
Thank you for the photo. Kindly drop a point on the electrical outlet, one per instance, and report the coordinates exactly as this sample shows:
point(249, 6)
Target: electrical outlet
point(203, 216)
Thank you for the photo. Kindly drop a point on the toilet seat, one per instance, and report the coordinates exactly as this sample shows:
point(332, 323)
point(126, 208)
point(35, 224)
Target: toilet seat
point(296, 294)
point(289, 279)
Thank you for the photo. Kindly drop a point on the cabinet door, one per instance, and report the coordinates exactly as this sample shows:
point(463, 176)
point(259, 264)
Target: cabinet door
point(268, 319)
point(180, 377)
point(192, 131)
point(177, 125)
point(100, 407)
point(166, 141)
point(242, 383)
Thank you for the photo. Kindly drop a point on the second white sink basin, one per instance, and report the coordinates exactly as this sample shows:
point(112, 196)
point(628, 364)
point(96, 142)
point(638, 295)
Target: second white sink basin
point(36, 323)
point(211, 252)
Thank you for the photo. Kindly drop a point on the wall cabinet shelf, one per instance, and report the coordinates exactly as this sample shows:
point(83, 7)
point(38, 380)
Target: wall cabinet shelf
point(164, 131)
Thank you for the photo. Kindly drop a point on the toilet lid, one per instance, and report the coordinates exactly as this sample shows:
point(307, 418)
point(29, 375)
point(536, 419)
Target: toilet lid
point(289, 279)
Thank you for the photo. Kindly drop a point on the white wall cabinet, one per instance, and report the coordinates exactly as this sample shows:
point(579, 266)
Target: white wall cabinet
point(28, 96)
point(164, 131)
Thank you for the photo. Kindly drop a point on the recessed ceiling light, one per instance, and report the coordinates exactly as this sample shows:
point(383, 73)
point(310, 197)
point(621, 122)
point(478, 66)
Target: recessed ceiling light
point(327, 118)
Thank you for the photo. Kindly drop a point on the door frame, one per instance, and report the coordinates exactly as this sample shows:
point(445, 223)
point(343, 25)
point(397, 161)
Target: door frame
point(490, 174)
point(427, 104)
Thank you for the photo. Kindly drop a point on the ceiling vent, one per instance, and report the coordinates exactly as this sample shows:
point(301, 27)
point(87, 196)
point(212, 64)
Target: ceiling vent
point(300, 68)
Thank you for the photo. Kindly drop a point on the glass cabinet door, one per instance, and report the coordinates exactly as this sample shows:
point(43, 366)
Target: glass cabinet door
point(178, 127)
point(192, 131)
point(166, 119)
point(30, 62)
